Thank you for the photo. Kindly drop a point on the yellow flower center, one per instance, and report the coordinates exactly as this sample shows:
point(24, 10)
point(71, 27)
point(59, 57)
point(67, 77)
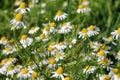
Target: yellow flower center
point(59, 13)
point(50, 49)
point(10, 59)
point(24, 37)
point(106, 77)
point(115, 70)
point(3, 61)
point(110, 38)
point(3, 38)
point(80, 6)
point(10, 42)
point(40, 50)
point(24, 71)
point(88, 67)
point(85, 0)
point(92, 44)
point(92, 27)
point(30, 63)
point(105, 62)
point(46, 28)
point(35, 74)
point(22, 5)
point(61, 44)
point(52, 61)
point(52, 24)
point(64, 24)
point(118, 31)
point(58, 55)
point(67, 78)
point(68, 41)
point(84, 30)
point(10, 68)
point(52, 43)
point(8, 49)
point(118, 75)
point(42, 36)
point(33, 28)
point(101, 53)
point(102, 45)
point(19, 17)
point(60, 70)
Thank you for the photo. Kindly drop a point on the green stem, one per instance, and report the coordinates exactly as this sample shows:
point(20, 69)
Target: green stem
point(69, 8)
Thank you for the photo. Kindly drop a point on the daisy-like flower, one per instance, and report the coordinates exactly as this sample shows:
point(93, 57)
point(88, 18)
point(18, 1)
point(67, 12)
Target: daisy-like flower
point(52, 63)
point(24, 74)
point(17, 2)
point(83, 34)
point(59, 56)
point(31, 65)
point(109, 39)
point(46, 30)
point(17, 22)
point(93, 30)
point(3, 68)
point(43, 5)
point(101, 54)
point(117, 56)
point(11, 70)
point(116, 33)
point(61, 46)
point(65, 28)
point(105, 63)
point(89, 69)
point(33, 30)
point(59, 73)
point(85, 2)
point(113, 71)
point(104, 77)
point(81, 9)
point(34, 75)
point(8, 50)
point(52, 27)
point(67, 78)
point(42, 37)
point(116, 76)
point(60, 16)
point(10, 61)
point(26, 41)
point(22, 8)
point(3, 40)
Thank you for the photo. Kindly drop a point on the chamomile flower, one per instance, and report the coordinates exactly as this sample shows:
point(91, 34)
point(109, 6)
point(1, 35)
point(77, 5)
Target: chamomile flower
point(24, 74)
point(116, 33)
point(11, 61)
point(65, 28)
point(34, 75)
point(46, 30)
point(109, 39)
point(104, 77)
point(59, 56)
point(113, 71)
point(93, 30)
point(85, 2)
point(67, 78)
point(105, 63)
point(83, 34)
point(61, 46)
point(31, 65)
point(116, 76)
point(3, 40)
point(33, 30)
point(26, 41)
point(8, 50)
point(59, 73)
point(22, 8)
point(3, 68)
point(52, 27)
point(81, 9)
point(117, 56)
point(60, 16)
point(101, 54)
point(11, 70)
point(17, 22)
point(52, 63)
point(89, 69)
point(17, 2)
point(43, 5)
point(42, 37)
